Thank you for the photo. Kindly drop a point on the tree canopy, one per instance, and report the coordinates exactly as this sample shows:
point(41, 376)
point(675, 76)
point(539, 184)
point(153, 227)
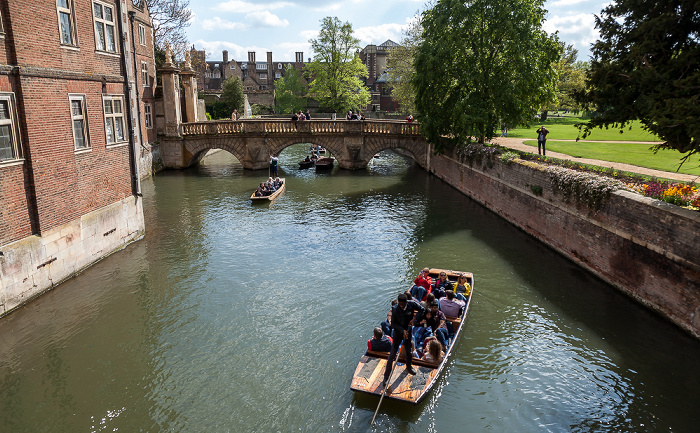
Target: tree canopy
point(290, 91)
point(481, 63)
point(170, 18)
point(646, 66)
point(571, 78)
point(336, 68)
point(232, 95)
point(401, 69)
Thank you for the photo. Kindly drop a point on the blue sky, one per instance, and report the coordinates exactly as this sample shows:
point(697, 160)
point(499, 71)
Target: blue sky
point(285, 26)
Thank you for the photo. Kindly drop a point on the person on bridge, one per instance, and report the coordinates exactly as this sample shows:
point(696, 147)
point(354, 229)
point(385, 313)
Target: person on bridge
point(234, 115)
point(541, 140)
point(308, 115)
point(273, 165)
point(402, 315)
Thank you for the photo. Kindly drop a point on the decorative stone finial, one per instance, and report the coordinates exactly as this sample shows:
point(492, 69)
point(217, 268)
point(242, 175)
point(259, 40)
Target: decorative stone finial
point(168, 54)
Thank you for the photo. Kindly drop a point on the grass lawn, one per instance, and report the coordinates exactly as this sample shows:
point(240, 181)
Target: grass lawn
point(563, 128)
point(628, 153)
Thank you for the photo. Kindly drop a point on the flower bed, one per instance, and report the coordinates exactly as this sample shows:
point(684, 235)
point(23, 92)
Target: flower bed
point(680, 194)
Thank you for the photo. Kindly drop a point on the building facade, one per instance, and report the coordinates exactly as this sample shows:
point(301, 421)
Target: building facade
point(374, 58)
point(76, 120)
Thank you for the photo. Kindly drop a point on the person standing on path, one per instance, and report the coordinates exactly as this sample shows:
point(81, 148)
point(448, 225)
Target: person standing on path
point(541, 140)
point(273, 165)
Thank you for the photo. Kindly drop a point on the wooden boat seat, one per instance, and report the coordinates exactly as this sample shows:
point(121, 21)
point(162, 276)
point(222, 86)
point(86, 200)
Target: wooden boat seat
point(414, 361)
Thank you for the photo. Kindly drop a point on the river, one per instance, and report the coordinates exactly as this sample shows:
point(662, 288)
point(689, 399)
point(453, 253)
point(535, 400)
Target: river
point(233, 317)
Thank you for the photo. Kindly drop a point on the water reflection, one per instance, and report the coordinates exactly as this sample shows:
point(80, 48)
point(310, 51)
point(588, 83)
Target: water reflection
point(229, 316)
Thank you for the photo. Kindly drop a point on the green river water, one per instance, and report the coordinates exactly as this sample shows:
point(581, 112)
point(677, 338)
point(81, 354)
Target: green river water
point(233, 317)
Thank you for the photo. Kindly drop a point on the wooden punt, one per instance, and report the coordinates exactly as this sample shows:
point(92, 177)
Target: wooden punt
point(305, 164)
point(405, 387)
point(325, 163)
point(269, 198)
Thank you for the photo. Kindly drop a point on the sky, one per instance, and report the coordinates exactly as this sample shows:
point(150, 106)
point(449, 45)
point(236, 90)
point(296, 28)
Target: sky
point(286, 26)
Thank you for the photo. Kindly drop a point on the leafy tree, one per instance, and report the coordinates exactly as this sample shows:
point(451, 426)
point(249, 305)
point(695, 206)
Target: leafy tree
point(170, 19)
point(482, 62)
point(336, 69)
point(646, 66)
point(232, 95)
point(571, 79)
point(401, 68)
point(290, 91)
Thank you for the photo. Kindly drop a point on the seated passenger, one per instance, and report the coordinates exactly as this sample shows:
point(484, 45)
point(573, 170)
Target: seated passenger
point(438, 324)
point(422, 329)
point(441, 285)
point(451, 306)
point(379, 342)
point(429, 298)
point(277, 183)
point(260, 192)
point(462, 288)
point(386, 325)
point(422, 285)
point(434, 352)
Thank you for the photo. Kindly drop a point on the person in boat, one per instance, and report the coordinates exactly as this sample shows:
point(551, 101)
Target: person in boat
point(379, 342)
point(441, 285)
point(422, 330)
point(434, 352)
point(429, 298)
point(402, 315)
point(462, 288)
point(450, 305)
point(261, 191)
point(277, 183)
point(386, 325)
point(438, 324)
point(307, 159)
point(422, 285)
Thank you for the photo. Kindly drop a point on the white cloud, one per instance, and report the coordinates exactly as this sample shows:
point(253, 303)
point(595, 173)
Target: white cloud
point(243, 7)
point(218, 23)
point(265, 19)
point(578, 30)
point(379, 34)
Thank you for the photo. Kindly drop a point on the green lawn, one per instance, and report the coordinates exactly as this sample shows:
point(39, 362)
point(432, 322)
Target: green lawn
point(563, 128)
point(628, 153)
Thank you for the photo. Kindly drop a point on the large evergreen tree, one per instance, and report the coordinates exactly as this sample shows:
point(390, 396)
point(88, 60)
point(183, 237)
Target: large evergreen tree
point(646, 66)
point(481, 63)
point(290, 91)
point(336, 68)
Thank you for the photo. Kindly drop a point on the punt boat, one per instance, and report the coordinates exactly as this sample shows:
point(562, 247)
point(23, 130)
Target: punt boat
point(402, 386)
point(269, 198)
point(306, 164)
point(325, 163)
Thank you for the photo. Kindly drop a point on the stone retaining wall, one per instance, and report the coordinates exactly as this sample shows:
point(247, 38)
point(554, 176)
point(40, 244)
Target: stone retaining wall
point(647, 248)
point(36, 264)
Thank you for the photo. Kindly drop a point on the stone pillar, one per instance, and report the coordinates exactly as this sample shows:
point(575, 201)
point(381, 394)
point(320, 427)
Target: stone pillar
point(171, 95)
point(189, 84)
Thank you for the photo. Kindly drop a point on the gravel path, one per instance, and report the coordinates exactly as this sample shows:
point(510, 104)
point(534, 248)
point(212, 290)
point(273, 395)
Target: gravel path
point(517, 144)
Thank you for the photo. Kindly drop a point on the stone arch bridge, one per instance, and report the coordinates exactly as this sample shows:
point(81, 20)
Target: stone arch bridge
point(353, 143)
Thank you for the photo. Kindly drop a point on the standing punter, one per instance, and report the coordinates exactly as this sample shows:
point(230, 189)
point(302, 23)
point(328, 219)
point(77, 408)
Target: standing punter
point(273, 165)
point(401, 322)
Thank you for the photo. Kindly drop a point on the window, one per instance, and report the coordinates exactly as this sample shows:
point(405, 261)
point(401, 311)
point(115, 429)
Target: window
point(217, 73)
point(277, 75)
point(9, 138)
point(263, 76)
point(233, 65)
point(279, 66)
point(80, 134)
point(104, 27)
point(261, 66)
point(114, 119)
point(65, 22)
point(142, 34)
point(144, 74)
point(148, 115)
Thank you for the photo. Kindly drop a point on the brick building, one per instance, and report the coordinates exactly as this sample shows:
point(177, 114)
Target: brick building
point(374, 58)
point(76, 120)
point(258, 77)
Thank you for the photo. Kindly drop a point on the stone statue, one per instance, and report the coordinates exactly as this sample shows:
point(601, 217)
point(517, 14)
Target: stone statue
point(168, 54)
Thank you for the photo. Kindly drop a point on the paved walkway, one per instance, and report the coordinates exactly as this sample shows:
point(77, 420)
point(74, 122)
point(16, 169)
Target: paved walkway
point(517, 144)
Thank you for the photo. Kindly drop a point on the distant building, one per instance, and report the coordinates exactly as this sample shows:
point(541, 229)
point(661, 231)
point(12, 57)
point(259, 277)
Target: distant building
point(258, 78)
point(76, 120)
point(374, 58)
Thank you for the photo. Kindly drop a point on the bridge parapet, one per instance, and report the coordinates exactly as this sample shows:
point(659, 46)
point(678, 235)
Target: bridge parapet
point(283, 126)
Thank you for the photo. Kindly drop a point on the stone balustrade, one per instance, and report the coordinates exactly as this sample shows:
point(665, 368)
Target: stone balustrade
point(284, 126)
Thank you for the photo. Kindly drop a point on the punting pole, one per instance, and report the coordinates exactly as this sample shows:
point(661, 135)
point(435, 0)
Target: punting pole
point(386, 385)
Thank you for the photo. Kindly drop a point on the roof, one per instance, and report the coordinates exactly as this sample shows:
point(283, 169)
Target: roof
point(389, 43)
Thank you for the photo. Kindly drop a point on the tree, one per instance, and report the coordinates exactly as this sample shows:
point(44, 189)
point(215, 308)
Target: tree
point(170, 18)
point(646, 66)
point(232, 95)
point(481, 63)
point(290, 91)
point(401, 69)
point(571, 79)
point(336, 69)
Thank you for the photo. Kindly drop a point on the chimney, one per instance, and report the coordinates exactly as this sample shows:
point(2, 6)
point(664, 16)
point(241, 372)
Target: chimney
point(299, 59)
point(270, 70)
point(252, 67)
point(225, 53)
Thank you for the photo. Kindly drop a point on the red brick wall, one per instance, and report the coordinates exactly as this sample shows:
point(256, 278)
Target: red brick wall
point(648, 249)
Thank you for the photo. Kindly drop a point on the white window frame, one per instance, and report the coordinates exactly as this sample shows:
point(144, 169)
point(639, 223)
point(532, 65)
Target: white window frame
point(263, 76)
point(113, 109)
point(142, 35)
point(69, 11)
point(144, 74)
point(82, 118)
point(216, 73)
point(105, 24)
point(12, 121)
point(278, 75)
point(261, 66)
point(148, 115)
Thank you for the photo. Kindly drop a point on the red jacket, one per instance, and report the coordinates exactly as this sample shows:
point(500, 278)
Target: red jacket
point(425, 283)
